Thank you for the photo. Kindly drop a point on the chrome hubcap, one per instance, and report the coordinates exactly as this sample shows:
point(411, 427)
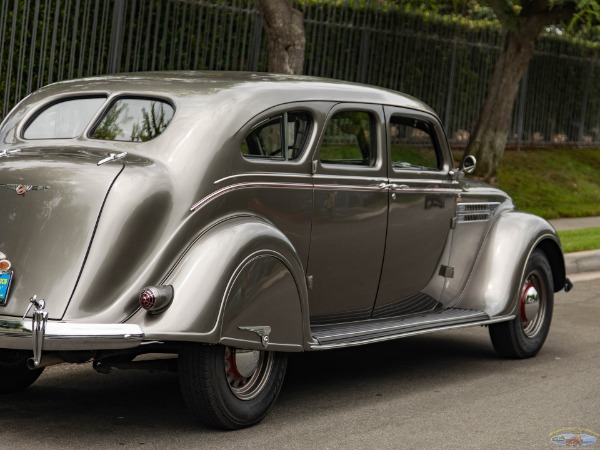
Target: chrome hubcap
point(533, 305)
point(247, 371)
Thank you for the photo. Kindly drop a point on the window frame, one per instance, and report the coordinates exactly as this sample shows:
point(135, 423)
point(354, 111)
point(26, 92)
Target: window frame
point(283, 118)
point(372, 157)
point(438, 138)
point(433, 139)
point(379, 167)
point(45, 106)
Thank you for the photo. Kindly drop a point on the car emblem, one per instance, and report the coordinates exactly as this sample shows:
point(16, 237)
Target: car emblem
point(22, 189)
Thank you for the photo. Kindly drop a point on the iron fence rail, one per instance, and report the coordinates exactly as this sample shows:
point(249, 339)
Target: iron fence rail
point(446, 63)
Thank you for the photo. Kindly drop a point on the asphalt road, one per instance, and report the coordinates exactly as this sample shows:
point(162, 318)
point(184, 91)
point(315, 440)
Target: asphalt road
point(442, 391)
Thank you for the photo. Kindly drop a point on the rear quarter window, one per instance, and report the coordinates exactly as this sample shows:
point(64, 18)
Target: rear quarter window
point(64, 119)
point(134, 120)
point(279, 138)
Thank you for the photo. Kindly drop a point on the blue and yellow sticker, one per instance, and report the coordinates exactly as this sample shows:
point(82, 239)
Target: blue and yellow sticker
point(5, 279)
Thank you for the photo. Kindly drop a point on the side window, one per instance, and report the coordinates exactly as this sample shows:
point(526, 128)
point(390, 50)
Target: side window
point(412, 144)
point(134, 120)
point(279, 138)
point(66, 119)
point(349, 139)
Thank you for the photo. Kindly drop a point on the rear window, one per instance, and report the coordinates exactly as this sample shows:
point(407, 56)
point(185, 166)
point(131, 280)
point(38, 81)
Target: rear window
point(65, 119)
point(134, 120)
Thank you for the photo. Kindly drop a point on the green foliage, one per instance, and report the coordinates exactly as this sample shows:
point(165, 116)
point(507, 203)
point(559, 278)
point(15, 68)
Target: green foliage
point(153, 123)
point(553, 183)
point(580, 240)
point(406, 45)
point(109, 128)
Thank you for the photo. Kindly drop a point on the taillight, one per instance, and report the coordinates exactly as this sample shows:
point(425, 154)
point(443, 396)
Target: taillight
point(155, 299)
point(5, 264)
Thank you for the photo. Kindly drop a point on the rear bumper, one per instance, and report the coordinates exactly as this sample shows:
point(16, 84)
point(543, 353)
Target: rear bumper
point(26, 334)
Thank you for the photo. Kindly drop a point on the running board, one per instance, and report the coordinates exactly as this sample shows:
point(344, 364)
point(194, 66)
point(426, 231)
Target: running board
point(364, 332)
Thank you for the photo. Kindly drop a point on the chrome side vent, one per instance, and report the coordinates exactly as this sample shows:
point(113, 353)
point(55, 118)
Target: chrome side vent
point(476, 212)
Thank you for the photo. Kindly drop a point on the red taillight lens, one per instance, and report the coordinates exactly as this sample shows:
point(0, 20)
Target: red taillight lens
point(155, 299)
point(147, 299)
point(5, 264)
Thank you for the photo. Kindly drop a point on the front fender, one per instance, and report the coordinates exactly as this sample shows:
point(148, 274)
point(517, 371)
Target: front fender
point(495, 281)
point(242, 272)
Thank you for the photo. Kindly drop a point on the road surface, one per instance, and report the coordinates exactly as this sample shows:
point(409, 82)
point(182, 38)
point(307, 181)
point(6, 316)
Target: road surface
point(446, 390)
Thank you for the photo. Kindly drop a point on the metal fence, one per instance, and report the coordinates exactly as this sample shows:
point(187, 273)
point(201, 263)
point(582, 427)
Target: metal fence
point(445, 62)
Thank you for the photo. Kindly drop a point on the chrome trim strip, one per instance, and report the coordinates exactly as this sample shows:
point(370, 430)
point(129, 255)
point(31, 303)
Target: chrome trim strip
point(348, 187)
point(19, 334)
point(390, 325)
point(413, 190)
point(235, 187)
point(428, 182)
point(361, 178)
point(264, 175)
point(411, 333)
point(323, 187)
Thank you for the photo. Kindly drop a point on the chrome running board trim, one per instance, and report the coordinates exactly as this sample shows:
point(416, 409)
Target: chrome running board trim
point(359, 333)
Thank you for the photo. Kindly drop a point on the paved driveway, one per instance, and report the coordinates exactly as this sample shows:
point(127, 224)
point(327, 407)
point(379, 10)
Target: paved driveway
point(447, 390)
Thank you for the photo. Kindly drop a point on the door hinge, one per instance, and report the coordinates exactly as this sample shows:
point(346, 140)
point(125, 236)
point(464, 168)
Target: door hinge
point(314, 166)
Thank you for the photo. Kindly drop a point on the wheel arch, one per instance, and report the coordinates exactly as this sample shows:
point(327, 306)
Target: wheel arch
point(210, 280)
point(494, 283)
point(554, 254)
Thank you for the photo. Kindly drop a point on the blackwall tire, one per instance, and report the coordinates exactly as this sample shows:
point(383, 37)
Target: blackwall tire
point(524, 336)
point(15, 376)
point(222, 395)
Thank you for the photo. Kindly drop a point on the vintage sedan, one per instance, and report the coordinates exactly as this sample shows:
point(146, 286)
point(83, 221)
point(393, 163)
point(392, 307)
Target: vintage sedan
point(229, 218)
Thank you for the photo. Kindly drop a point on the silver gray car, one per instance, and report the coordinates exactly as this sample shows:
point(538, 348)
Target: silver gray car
point(227, 219)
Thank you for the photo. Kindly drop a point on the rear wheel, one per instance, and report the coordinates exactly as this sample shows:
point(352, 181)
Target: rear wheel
point(524, 336)
point(15, 376)
point(227, 387)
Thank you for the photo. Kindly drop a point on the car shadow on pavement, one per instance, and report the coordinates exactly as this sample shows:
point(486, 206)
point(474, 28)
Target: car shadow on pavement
point(122, 408)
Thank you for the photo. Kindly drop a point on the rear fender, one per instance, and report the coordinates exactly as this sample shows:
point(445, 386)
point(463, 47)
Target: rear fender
point(241, 274)
point(494, 284)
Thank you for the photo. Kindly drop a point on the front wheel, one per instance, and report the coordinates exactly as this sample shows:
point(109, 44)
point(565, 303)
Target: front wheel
point(227, 387)
point(524, 336)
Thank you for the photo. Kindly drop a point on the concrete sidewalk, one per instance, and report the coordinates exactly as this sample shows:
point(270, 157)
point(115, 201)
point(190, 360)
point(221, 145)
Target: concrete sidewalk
point(579, 262)
point(575, 223)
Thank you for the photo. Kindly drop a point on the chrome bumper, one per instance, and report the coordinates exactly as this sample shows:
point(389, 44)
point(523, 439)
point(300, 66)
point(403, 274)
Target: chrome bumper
point(39, 334)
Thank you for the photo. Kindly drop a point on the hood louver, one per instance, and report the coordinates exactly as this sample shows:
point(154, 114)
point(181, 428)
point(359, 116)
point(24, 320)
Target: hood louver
point(475, 212)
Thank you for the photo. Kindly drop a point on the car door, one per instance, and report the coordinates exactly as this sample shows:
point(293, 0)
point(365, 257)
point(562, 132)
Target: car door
point(350, 215)
point(421, 210)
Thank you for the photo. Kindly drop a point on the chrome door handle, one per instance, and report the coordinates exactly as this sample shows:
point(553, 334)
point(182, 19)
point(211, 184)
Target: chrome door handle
point(387, 186)
point(112, 157)
point(8, 152)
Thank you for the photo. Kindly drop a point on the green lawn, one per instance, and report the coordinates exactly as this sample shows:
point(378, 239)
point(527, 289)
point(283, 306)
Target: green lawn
point(580, 240)
point(553, 183)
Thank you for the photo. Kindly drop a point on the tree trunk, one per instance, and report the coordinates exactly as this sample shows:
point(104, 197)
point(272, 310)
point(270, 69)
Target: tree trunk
point(489, 137)
point(286, 38)
point(488, 140)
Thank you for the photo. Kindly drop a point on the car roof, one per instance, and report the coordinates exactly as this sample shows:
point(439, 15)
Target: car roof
point(259, 88)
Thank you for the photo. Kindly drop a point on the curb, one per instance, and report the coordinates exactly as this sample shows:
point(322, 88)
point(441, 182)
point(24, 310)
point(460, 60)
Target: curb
point(579, 262)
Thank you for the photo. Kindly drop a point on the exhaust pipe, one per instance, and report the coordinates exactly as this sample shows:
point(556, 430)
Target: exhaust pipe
point(47, 360)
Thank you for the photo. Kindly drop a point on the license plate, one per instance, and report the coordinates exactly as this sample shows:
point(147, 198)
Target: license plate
point(5, 279)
